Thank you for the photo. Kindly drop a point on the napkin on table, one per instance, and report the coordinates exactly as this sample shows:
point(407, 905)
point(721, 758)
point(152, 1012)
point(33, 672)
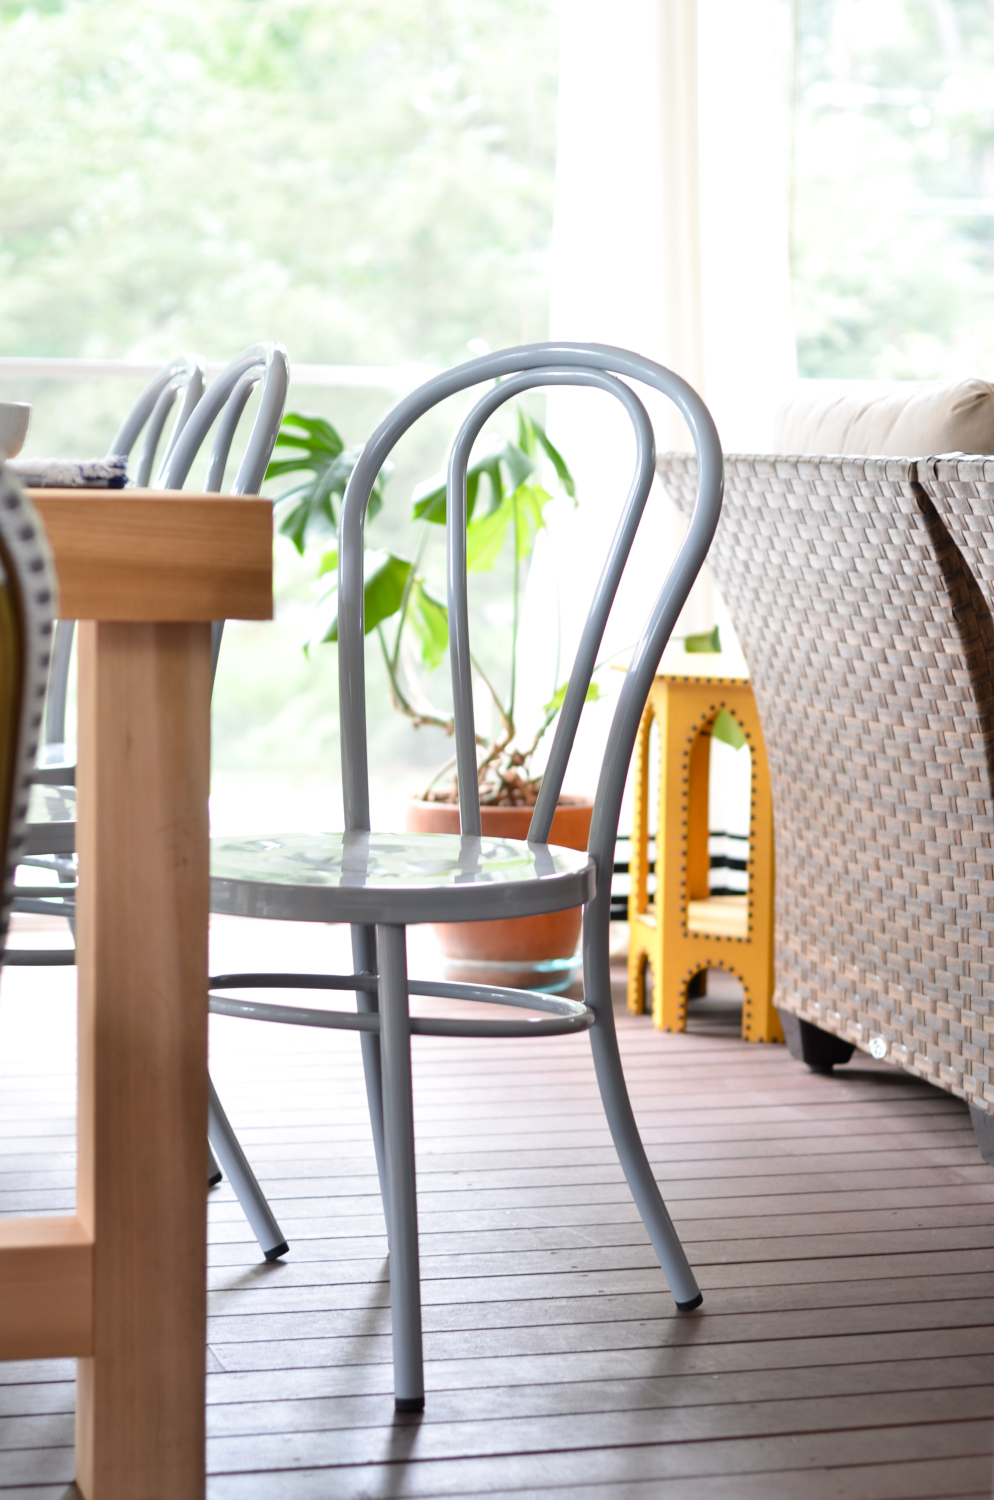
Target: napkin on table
point(71, 473)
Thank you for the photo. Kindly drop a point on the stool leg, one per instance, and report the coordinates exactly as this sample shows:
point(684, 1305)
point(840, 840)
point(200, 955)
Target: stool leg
point(670, 980)
point(636, 977)
point(638, 867)
point(398, 1132)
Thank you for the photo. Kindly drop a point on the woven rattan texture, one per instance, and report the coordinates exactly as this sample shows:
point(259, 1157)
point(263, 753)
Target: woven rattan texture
point(962, 490)
point(869, 645)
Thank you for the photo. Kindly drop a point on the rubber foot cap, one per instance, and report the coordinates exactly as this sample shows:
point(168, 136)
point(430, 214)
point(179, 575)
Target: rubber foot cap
point(281, 1249)
point(213, 1181)
point(409, 1403)
point(689, 1306)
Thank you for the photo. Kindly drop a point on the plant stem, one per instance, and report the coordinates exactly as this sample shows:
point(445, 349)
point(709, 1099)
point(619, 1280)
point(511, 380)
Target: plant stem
point(438, 776)
point(400, 702)
point(406, 595)
point(505, 718)
point(514, 622)
point(389, 662)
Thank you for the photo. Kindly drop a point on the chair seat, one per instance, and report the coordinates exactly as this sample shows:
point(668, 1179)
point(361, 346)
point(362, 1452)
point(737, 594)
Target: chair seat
point(51, 825)
point(398, 878)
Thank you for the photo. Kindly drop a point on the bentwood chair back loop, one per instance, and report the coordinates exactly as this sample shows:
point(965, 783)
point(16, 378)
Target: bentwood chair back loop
point(186, 376)
point(28, 604)
point(518, 370)
point(52, 840)
point(263, 364)
point(266, 364)
point(183, 377)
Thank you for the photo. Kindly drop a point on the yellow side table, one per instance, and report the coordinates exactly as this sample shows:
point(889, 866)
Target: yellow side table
point(681, 929)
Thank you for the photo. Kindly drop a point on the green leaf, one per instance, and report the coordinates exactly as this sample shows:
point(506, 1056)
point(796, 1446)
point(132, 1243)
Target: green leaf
point(429, 619)
point(429, 502)
point(429, 498)
point(315, 433)
point(485, 540)
point(531, 500)
point(383, 587)
point(708, 642)
point(385, 576)
point(556, 459)
point(485, 537)
point(555, 703)
point(526, 432)
point(505, 466)
point(725, 728)
point(519, 466)
point(308, 510)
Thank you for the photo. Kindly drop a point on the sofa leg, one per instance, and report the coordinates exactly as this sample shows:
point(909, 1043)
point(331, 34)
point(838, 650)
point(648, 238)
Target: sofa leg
point(983, 1125)
point(821, 1050)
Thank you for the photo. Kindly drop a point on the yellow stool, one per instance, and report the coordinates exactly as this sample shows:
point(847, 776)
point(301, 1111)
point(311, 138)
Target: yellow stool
point(682, 929)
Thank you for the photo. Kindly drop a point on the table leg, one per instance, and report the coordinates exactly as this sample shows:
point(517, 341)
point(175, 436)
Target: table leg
point(143, 782)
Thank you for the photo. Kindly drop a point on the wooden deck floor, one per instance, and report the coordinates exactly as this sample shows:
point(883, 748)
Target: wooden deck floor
point(842, 1229)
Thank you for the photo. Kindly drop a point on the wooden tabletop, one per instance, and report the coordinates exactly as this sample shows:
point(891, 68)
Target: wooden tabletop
point(164, 555)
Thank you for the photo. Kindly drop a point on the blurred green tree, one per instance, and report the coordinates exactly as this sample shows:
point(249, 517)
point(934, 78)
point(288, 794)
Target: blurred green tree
point(893, 188)
point(371, 183)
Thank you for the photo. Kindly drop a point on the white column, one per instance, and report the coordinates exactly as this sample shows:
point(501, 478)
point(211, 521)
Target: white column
point(670, 239)
point(626, 259)
point(744, 137)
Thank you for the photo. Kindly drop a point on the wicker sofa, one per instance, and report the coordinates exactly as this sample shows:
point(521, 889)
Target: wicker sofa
point(861, 590)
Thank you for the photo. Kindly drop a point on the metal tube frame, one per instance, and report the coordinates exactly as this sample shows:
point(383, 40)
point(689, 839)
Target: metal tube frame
point(398, 1134)
point(225, 1146)
point(382, 989)
point(518, 369)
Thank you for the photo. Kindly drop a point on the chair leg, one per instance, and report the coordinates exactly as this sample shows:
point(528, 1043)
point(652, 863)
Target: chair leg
point(628, 1142)
point(364, 962)
point(398, 1123)
point(214, 1173)
point(247, 1190)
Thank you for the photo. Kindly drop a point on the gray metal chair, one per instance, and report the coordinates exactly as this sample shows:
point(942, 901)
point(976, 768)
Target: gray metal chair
point(51, 843)
point(184, 376)
point(51, 835)
point(381, 883)
point(262, 364)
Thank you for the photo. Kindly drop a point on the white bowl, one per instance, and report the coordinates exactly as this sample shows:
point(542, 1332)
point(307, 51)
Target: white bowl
point(14, 419)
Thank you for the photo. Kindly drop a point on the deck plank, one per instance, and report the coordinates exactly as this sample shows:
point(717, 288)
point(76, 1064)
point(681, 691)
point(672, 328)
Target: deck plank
point(842, 1228)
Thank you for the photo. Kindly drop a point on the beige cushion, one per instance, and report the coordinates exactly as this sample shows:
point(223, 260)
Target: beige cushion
point(908, 420)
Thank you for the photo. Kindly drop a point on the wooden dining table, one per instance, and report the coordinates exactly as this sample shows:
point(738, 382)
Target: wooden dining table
point(121, 1284)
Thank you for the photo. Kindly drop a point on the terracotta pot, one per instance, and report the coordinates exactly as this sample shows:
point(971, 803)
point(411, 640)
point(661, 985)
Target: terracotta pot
point(534, 953)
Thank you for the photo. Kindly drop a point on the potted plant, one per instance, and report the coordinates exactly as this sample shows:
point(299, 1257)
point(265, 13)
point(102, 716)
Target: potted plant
point(506, 508)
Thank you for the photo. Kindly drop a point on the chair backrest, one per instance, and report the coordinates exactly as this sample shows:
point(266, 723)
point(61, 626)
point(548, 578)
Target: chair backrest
point(28, 604)
point(518, 370)
point(265, 364)
point(185, 375)
point(226, 397)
